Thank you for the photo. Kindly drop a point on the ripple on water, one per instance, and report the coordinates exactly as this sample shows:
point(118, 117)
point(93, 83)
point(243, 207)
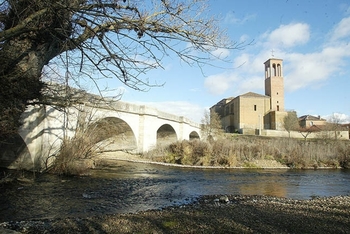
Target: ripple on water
point(132, 187)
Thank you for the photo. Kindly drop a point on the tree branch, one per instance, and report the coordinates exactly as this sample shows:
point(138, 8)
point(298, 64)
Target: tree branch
point(22, 27)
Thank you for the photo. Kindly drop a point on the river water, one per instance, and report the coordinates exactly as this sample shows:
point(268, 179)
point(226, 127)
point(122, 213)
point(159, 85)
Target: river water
point(131, 187)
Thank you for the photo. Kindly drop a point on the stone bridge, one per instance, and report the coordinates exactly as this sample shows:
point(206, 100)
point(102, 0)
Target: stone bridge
point(115, 126)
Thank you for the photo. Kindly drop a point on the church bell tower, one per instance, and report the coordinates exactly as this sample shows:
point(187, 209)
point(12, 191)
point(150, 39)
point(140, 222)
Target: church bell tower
point(274, 85)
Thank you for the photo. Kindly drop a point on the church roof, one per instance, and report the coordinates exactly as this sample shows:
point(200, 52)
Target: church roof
point(256, 95)
point(223, 102)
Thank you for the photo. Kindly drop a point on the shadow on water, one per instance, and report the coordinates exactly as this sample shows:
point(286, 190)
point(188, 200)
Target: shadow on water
point(131, 187)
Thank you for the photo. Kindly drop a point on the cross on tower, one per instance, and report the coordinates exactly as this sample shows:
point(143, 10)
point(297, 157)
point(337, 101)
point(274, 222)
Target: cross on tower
point(272, 53)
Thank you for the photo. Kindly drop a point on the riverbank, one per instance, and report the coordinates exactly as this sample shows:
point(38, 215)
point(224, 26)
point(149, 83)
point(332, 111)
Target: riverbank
point(244, 151)
point(211, 214)
point(110, 157)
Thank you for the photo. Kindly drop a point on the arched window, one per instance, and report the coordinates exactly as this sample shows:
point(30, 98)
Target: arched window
point(279, 70)
point(274, 69)
point(267, 71)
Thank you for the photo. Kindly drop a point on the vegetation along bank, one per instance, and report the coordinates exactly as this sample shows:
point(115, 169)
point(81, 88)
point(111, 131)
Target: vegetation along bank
point(250, 151)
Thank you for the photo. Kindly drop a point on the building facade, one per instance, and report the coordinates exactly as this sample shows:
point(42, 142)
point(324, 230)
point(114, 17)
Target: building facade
point(306, 121)
point(251, 112)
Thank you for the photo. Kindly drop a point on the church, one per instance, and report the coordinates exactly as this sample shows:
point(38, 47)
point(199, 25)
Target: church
point(251, 112)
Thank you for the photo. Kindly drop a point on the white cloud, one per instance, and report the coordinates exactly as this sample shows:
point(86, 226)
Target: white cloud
point(289, 35)
point(230, 18)
point(219, 83)
point(247, 75)
point(251, 84)
point(305, 70)
point(194, 90)
point(250, 64)
point(221, 53)
point(341, 30)
point(181, 108)
point(313, 69)
point(337, 118)
point(244, 38)
point(241, 60)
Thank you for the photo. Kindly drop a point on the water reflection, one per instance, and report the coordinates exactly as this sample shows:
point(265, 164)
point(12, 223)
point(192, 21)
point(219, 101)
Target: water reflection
point(265, 185)
point(131, 187)
point(297, 184)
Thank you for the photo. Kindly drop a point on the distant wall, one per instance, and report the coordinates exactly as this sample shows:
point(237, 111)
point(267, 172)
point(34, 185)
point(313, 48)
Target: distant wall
point(344, 135)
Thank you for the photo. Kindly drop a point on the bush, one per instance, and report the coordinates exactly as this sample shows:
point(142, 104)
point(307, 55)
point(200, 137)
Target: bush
point(243, 150)
point(344, 155)
point(73, 156)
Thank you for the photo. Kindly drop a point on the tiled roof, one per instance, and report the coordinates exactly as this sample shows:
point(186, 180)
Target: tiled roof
point(251, 94)
point(223, 102)
point(311, 117)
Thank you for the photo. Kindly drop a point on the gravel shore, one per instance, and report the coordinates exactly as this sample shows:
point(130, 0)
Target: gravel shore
point(211, 214)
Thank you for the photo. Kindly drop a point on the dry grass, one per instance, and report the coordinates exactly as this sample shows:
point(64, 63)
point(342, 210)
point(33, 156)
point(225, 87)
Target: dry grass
point(76, 153)
point(243, 151)
point(71, 159)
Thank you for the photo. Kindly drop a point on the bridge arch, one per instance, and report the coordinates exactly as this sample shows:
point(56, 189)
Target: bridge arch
point(113, 134)
point(125, 126)
point(194, 135)
point(166, 134)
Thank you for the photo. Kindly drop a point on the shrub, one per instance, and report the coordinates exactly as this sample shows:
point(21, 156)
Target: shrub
point(243, 150)
point(70, 156)
point(344, 155)
point(75, 154)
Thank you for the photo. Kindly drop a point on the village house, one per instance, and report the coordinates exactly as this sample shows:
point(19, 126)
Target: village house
point(307, 121)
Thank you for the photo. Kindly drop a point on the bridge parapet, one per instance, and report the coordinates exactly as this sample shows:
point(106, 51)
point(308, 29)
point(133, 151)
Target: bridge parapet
point(137, 127)
point(144, 110)
point(95, 101)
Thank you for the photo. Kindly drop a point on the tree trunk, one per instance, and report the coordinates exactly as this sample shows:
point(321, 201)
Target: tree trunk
point(20, 73)
point(22, 59)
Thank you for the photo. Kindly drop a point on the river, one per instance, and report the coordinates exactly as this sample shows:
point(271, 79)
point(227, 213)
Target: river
point(131, 187)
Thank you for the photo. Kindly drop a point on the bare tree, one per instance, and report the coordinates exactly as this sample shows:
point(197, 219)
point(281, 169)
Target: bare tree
point(119, 39)
point(211, 125)
point(334, 125)
point(306, 131)
point(290, 122)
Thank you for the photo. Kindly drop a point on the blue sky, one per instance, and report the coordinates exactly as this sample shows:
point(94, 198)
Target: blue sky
point(311, 36)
